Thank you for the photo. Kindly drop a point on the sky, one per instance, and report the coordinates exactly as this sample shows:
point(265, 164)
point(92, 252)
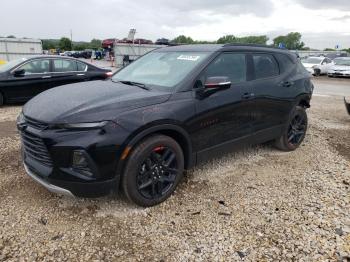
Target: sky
point(323, 23)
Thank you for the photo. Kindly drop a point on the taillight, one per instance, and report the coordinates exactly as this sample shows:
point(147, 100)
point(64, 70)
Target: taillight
point(109, 74)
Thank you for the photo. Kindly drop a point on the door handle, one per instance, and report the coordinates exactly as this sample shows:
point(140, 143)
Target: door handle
point(80, 74)
point(46, 77)
point(248, 95)
point(287, 84)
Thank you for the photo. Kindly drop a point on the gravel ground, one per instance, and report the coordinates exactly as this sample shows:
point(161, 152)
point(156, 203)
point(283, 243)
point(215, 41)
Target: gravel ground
point(254, 205)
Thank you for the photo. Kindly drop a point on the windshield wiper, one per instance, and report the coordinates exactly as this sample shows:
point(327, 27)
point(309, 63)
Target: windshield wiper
point(131, 83)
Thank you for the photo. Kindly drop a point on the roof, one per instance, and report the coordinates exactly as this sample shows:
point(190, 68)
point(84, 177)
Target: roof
point(225, 47)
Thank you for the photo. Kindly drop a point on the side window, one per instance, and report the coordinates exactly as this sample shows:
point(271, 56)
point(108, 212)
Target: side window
point(37, 67)
point(265, 66)
point(231, 65)
point(81, 66)
point(64, 65)
point(328, 61)
point(285, 63)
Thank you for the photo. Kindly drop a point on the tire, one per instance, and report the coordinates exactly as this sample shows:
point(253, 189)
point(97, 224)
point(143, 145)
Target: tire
point(153, 170)
point(317, 72)
point(294, 133)
point(1, 99)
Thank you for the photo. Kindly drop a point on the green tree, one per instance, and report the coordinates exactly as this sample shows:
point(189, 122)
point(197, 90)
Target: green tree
point(231, 39)
point(65, 44)
point(329, 49)
point(95, 44)
point(11, 36)
point(49, 44)
point(181, 39)
point(81, 46)
point(292, 41)
point(227, 39)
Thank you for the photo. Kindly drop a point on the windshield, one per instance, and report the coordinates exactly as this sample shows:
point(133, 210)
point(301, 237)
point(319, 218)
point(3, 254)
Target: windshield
point(345, 62)
point(11, 64)
point(312, 60)
point(161, 69)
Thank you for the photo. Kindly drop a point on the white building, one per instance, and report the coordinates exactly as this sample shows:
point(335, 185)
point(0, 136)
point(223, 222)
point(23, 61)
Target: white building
point(13, 48)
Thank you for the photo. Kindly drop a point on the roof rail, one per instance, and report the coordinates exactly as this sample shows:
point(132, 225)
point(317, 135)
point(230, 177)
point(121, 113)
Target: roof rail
point(252, 45)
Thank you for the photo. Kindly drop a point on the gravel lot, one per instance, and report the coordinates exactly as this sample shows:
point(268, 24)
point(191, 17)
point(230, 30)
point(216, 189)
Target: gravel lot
point(254, 205)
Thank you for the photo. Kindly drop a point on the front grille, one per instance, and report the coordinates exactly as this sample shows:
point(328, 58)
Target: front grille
point(35, 148)
point(35, 123)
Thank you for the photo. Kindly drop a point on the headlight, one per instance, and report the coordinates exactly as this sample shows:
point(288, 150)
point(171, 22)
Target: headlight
point(94, 125)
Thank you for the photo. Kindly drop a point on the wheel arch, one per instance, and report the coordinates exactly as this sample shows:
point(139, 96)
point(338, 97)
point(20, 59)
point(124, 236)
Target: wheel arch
point(176, 132)
point(304, 101)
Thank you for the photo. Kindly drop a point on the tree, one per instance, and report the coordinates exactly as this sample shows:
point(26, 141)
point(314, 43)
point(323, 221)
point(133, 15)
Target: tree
point(260, 40)
point(95, 44)
point(81, 46)
point(11, 36)
point(329, 49)
point(65, 44)
point(181, 39)
point(291, 41)
point(227, 39)
point(49, 44)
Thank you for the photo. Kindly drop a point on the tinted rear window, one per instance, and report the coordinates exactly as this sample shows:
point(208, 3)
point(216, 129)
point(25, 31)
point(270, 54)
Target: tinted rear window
point(265, 66)
point(284, 62)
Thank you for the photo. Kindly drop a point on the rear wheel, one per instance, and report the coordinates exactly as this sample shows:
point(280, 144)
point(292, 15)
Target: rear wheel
point(295, 132)
point(153, 170)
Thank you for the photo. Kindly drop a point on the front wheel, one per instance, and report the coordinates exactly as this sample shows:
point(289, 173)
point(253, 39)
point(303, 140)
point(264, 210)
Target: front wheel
point(153, 170)
point(294, 134)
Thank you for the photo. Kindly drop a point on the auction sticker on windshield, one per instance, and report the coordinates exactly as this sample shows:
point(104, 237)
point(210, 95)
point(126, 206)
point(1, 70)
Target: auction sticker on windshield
point(189, 57)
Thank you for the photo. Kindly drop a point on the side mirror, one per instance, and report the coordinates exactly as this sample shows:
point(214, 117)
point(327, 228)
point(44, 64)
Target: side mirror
point(217, 83)
point(19, 72)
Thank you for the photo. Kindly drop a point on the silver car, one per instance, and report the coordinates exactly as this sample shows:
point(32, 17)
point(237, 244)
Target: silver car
point(340, 68)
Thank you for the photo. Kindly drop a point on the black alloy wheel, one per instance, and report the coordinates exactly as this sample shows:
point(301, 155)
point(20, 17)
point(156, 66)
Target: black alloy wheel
point(153, 170)
point(157, 173)
point(297, 130)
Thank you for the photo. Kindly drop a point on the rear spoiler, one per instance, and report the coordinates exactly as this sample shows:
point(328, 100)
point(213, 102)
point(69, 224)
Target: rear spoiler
point(347, 105)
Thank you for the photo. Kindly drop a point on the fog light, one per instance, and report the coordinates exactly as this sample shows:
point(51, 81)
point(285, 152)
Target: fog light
point(79, 160)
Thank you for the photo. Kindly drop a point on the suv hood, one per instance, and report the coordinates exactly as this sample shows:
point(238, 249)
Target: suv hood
point(308, 65)
point(90, 102)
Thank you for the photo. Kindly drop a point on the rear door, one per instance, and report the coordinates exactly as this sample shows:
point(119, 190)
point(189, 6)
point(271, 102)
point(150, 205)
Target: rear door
point(273, 89)
point(65, 71)
point(36, 78)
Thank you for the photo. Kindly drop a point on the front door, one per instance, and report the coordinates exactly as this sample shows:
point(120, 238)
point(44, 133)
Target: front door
point(225, 116)
point(35, 79)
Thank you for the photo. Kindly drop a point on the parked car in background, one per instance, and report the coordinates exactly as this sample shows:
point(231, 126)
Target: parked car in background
point(317, 65)
point(141, 41)
point(167, 111)
point(341, 67)
point(24, 78)
point(162, 41)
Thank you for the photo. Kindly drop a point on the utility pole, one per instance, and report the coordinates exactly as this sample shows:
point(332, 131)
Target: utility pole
point(71, 39)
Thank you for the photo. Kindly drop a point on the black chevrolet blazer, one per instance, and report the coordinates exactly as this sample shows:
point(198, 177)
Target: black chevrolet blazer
point(161, 115)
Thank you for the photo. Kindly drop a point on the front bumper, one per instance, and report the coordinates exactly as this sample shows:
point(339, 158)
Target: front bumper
point(56, 173)
point(339, 73)
point(52, 188)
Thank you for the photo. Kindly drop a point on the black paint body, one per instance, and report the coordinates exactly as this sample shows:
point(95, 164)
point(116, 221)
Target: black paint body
point(254, 111)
